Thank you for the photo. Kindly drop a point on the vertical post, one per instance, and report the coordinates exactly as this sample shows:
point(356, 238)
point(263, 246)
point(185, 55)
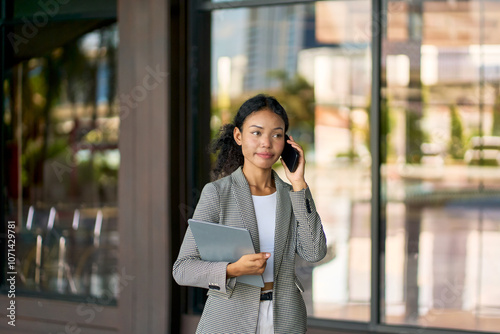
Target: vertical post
point(377, 237)
point(199, 51)
point(38, 260)
point(144, 191)
point(61, 264)
point(180, 74)
point(413, 222)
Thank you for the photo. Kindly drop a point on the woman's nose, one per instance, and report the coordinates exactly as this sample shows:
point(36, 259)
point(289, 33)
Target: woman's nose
point(265, 142)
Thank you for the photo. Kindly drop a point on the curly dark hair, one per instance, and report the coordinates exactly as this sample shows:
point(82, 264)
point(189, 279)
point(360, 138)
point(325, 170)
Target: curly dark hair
point(230, 156)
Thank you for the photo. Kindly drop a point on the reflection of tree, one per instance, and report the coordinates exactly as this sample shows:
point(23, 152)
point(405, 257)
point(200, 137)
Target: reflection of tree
point(385, 128)
point(496, 117)
point(456, 148)
point(108, 44)
point(297, 97)
point(40, 79)
point(415, 137)
point(63, 78)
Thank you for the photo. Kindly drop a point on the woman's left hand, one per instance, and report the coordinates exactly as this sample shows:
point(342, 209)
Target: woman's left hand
point(297, 177)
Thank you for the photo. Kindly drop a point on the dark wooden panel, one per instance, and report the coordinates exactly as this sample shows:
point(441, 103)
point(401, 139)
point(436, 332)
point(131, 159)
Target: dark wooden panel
point(178, 138)
point(142, 220)
point(160, 277)
point(126, 188)
point(144, 188)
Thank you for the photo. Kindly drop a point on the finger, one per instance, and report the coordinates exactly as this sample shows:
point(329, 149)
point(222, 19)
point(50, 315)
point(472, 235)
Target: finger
point(259, 256)
point(299, 149)
point(263, 260)
point(254, 257)
point(296, 145)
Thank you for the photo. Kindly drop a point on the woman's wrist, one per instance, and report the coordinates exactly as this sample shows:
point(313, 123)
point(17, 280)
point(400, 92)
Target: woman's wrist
point(298, 186)
point(231, 270)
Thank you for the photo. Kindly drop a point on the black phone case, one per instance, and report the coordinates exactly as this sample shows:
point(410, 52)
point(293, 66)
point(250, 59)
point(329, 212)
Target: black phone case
point(290, 156)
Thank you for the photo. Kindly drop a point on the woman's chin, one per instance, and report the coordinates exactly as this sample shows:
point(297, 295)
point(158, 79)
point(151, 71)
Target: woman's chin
point(262, 165)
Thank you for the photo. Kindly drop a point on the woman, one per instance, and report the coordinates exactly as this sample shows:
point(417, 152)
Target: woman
point(281, 218)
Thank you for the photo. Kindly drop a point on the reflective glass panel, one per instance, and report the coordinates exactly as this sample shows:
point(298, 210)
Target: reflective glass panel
point(441, 164)
point(315, 59)
point(61, 162)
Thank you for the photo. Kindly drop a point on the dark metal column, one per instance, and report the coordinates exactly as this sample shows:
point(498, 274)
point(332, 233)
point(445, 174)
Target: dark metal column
point(377, 223)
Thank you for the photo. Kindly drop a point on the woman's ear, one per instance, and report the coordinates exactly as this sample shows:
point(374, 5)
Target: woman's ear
point(237, 135)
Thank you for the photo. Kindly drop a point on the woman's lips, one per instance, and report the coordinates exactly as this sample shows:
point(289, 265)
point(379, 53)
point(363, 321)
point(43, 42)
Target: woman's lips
point(265, 155)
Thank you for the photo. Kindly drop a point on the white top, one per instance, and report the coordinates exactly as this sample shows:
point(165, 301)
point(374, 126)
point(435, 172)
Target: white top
point(265, 212)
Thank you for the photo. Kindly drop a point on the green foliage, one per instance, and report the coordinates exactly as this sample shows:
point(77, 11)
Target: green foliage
point(456, 146)
point(385, 128)
point(496, 117)
point(296, 95)
point(96, 170)
point(55, 88)
point(32, 158)
point(351, 155)
point(415, 137)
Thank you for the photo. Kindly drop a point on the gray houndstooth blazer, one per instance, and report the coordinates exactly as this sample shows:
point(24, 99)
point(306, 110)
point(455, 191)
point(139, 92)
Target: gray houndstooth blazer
point(232, 307)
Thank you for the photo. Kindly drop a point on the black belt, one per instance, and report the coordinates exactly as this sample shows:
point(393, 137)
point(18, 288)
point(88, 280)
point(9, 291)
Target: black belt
point(266, 296)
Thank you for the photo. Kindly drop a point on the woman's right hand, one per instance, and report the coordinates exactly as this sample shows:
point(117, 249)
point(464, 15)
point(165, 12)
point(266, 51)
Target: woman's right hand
point(250, 264)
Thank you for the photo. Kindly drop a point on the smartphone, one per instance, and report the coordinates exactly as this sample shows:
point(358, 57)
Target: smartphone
point(290, 156)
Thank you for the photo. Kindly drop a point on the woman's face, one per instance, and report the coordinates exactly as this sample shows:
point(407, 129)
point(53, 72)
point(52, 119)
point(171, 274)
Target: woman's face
point(261, 138)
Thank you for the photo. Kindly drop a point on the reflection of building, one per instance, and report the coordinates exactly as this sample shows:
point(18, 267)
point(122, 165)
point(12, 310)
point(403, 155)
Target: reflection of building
point(233, 69)
point(275, 36)
point(341, 84)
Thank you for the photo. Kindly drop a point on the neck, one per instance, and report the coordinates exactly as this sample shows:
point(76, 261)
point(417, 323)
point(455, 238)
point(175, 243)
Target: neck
point(259, 180)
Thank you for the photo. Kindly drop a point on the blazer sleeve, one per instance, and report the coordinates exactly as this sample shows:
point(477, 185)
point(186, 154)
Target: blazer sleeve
point(189, 269)
point(311, 240)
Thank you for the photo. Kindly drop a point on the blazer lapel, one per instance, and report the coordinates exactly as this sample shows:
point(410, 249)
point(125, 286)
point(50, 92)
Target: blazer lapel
point(283, 213)
point(243, 197)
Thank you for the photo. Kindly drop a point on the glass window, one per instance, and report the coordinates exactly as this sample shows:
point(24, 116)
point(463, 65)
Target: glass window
point(62, 159)
point(440, 164)
point(315, 59)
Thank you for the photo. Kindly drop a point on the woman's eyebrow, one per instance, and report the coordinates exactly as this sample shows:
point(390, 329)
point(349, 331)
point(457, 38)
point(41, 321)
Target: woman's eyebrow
point(260, 127)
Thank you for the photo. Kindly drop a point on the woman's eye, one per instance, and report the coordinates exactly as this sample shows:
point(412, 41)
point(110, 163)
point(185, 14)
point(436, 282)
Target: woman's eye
point(256, 133)
point(278, 135)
